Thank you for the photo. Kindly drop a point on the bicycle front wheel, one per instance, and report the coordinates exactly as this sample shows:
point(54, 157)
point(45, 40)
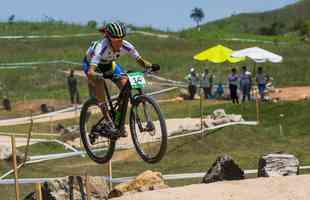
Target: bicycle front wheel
point(148, 129)
point(100, 149)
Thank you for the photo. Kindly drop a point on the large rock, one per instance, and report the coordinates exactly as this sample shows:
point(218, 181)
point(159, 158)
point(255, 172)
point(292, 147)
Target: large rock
point(5, 151)
point(6, 154)
point(69, 133)
point(278, 164)
point(224, 168)
point(146, 181)
point(220, 117)
point(59, 189)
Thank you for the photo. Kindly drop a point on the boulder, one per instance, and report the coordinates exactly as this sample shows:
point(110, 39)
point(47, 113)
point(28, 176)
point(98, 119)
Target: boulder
point(224, 168)
point(220, 117)
point(278, 164)
point(5, 152)
point(59, 189)
point(146, 181)
point(219, 113)
point(70, 133)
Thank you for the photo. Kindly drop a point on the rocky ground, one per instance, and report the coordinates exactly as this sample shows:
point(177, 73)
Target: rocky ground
point(276, 188)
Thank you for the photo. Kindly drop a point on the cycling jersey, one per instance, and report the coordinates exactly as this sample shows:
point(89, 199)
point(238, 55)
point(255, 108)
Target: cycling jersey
point(101, 54)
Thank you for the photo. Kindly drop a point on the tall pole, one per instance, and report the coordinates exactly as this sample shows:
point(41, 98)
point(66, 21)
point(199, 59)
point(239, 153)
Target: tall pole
point(256, 97)
point(110, 174)
point(87, 187)
point(38, 191)
point(17, 193)
point(200, 99)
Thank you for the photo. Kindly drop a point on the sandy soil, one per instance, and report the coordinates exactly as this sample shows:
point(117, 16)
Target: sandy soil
point(291, 93)
point(276, 188)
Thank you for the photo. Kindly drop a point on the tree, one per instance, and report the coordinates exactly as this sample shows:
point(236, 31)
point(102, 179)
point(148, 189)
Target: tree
point(197, 15)
point(92, 24)
point(11, 19)
point(303, 27)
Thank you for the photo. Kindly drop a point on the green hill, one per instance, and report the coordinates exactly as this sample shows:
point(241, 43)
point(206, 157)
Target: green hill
point(276, 22)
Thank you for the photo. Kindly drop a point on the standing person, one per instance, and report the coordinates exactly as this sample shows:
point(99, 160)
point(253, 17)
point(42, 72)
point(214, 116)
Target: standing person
point(211, 79)
point(101, 58)
point(73, 88)
point(193, 81)
point(205, 84)
point(233, 86)
point(261, 79)
point(245, 83)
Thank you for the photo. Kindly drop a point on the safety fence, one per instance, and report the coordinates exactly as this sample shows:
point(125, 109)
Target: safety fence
point(126, 179)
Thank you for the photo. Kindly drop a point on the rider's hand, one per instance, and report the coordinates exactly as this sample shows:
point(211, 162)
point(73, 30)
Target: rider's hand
point(155, 67)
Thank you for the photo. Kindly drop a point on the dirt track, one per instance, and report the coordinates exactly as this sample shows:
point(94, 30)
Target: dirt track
point(292, 93)
point(276, 188)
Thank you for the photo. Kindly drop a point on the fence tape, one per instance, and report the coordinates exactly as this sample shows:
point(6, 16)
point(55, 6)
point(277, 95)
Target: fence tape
point(125, 179)
point(76, 35)
point(25, 120)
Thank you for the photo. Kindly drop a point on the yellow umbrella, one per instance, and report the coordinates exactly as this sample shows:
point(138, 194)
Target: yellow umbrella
point(217, 54)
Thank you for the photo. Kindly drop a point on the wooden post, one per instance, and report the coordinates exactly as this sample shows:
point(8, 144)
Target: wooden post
point(28, 138)
point(256, 97)
point(87, 187)
point(257, 107)
point(51, 124)
point(110, 175)
point(200, 103)
point(38, 191)
point(15, 167)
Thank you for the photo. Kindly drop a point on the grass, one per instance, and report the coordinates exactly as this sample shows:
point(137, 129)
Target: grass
point(174, 54)
point(196, 154)
point(42, 28)
point(249, 25)
point(192, 154)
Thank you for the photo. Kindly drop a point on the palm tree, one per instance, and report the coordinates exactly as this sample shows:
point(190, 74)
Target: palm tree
point(197, 15)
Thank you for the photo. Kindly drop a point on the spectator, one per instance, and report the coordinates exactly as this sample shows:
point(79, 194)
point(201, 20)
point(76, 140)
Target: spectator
point(73, 88)
point(6, 103)
point(233, 86)
point(206, 84)
point(245, 83)
point(193, 81)
point(219, 90)
point(261, 79)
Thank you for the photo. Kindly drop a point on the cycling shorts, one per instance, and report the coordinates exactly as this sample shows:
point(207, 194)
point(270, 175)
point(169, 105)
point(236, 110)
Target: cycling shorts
point(111, 70)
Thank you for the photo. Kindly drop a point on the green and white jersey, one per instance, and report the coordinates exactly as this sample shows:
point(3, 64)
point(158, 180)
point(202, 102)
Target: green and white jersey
point(100, 52)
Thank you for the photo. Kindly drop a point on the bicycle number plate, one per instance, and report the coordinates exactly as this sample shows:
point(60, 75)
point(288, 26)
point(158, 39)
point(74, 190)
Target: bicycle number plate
point(136, 80)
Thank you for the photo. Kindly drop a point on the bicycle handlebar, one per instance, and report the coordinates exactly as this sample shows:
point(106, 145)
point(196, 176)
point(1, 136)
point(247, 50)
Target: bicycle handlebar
point(153, 68)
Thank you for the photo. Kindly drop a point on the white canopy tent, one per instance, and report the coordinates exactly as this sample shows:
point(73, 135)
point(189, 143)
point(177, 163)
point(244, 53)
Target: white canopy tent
point(258, 55)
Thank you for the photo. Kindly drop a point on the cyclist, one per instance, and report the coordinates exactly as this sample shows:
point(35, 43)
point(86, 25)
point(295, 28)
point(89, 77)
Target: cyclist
point(101, 57)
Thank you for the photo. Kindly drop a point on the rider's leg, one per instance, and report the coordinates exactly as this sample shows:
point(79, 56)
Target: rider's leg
point(120, 80)
point(101, 97)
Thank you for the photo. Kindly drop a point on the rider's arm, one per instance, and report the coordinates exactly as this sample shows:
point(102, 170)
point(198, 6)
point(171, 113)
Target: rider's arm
point(91, 73)
point(143, 63)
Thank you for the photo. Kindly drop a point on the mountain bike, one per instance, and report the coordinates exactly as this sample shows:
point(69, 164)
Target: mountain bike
point(146, 122)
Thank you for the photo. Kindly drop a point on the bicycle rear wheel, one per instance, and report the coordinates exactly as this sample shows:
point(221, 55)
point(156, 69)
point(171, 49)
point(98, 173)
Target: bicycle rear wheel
point(100, 149)
point(148, 129)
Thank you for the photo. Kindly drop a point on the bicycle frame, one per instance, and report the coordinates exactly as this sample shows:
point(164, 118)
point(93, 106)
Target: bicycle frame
point(121, 103)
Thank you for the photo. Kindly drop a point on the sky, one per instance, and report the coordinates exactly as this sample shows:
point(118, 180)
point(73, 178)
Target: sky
point(162, 14)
